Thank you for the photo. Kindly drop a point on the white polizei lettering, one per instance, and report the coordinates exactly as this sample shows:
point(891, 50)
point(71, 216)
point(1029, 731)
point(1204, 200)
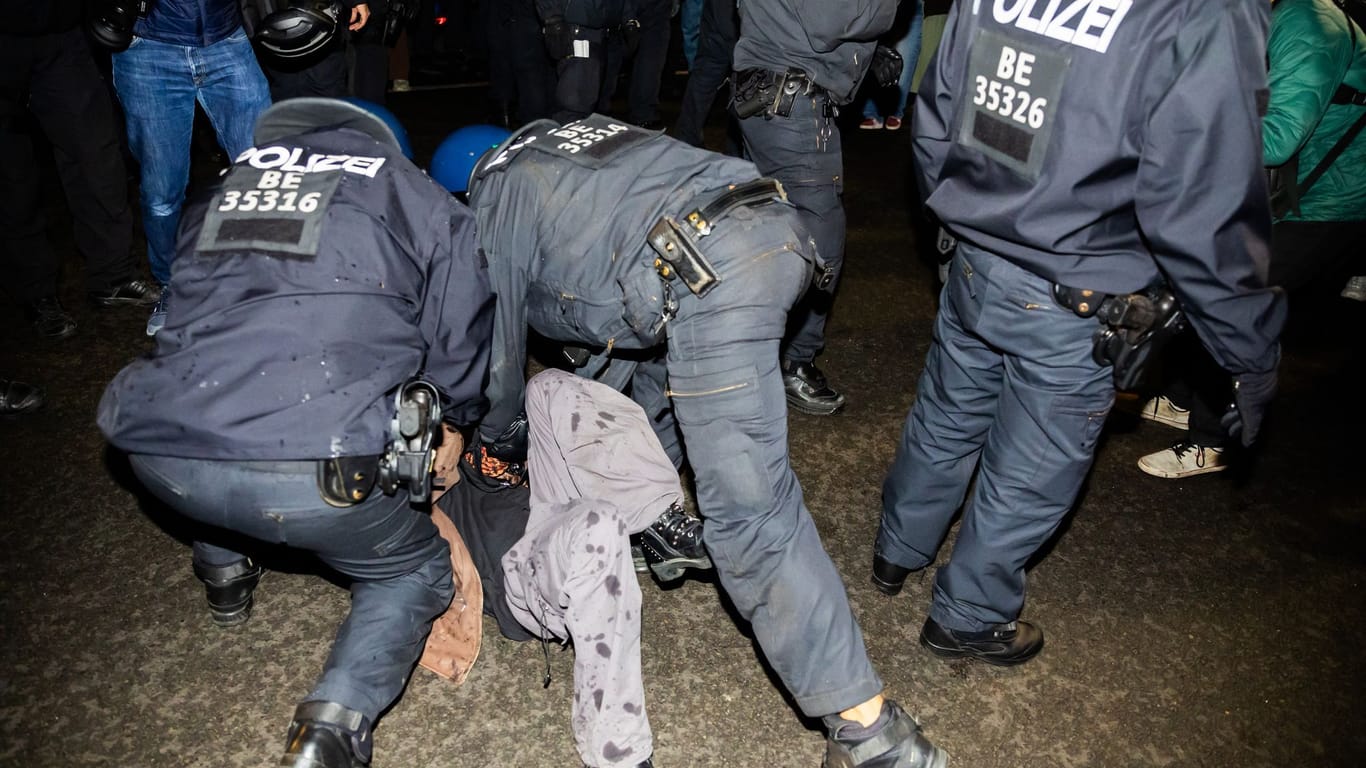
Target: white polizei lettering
point(1028, 22)
point(270, 157)
point(1089, 24)
point(1096, 19)
point(365, 166)
point(1006, 11)
point(319, 163)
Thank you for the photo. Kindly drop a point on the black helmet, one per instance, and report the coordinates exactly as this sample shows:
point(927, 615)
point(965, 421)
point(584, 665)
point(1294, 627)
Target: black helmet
point(299, 30)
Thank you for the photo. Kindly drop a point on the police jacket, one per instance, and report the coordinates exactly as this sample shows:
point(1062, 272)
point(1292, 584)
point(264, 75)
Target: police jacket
point(324, 271)
point(563, 214)
point(1108, 145)
point(832, 42)
point(190, 22)
point(597, 14)
point(1313, 49)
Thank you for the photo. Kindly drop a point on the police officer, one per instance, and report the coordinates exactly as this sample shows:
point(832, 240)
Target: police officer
point(663, 259)
point(1097, 147)
point(576, 35)
point(795, 63)
point(323, 273)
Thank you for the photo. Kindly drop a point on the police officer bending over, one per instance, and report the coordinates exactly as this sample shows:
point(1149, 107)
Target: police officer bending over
point(1082, 153)
point(666, 260)
point(325, 272)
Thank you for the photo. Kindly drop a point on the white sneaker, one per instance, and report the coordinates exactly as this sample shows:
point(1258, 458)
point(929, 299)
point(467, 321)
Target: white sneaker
point(1184, 459)
point(1162, 410)
point(1355, 289)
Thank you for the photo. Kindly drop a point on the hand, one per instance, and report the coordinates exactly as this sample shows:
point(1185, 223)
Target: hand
point(489, 473)
point(446, 463)
point(359, 15)
point(559, 38)
point(886, 66)
point(1252, 393)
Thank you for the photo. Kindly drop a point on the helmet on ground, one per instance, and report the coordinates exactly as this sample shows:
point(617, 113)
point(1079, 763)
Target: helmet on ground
point(459, 152)
point(292, 117)
point(389, 119)
point(300, 29)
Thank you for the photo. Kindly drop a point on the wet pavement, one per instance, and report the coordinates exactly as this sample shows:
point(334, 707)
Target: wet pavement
point(1212, 621)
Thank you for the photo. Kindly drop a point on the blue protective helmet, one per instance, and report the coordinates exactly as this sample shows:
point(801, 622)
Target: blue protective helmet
point(389, 119)
point(455, 159)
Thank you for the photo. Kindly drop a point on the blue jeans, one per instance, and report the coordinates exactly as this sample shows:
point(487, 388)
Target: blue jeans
point(158, 84)
point(690, 23)
point(909, 48)
point(1009, 390)
point(399, 566)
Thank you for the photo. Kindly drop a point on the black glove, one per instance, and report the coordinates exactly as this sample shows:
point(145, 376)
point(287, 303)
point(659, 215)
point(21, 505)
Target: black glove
point(559, 38)
point(630, 35)
point(1252, 393)
point(886, 66)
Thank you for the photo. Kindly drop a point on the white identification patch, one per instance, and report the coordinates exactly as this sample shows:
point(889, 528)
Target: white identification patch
point(580, 49)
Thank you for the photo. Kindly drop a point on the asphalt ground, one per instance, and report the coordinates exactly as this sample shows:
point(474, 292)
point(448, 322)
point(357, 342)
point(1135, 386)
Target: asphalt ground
point(1213, 621)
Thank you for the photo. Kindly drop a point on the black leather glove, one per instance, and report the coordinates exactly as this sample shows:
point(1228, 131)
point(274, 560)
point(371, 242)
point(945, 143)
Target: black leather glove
point(1252, 393)
point(559, 38)
point(630, 35)
point(886, 66)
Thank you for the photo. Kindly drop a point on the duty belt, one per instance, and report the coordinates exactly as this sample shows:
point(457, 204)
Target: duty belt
point(773, 93)
point(675, 242)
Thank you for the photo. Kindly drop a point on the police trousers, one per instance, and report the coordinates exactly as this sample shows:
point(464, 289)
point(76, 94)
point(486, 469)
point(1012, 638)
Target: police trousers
point(399, 567)
point(598, 475)
point(725, 390)
point(1009, 390)
point(804, 152)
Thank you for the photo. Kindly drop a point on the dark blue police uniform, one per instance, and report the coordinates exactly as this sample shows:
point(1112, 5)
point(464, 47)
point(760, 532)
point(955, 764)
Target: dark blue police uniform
point(1098, 144)
point(829, 46)
point(565, 215)
point(324, 271)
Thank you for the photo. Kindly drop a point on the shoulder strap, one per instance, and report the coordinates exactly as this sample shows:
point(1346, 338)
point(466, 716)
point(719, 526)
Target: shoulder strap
point(1333, 153)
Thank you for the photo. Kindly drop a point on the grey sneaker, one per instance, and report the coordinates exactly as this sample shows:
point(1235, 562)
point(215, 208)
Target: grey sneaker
point(1184, 459)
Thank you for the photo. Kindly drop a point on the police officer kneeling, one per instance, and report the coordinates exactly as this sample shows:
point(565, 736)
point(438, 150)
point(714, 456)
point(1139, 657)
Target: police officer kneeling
point(324, 272)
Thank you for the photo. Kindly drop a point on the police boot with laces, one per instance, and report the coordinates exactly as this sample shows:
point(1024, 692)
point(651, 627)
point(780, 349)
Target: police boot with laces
point(325, 734)
point(229, 589)
point(894, 741)
point(1003, 645)
point(673, 543)
point(808, 391)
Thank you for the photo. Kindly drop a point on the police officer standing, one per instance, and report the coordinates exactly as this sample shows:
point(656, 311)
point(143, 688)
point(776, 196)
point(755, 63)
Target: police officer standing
point(795, 63)
point(324, 272)
point(1078, 151)
point(576, 36)
point(659, 258)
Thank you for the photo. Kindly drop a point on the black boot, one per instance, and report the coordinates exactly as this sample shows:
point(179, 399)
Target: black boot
point(808, 391)
point(673, 543)
point(325, 734)
point(894, 741)
point(888, 577)
point(1003, 645)
point(50, 319)
point(18, 397)
point(229, 588)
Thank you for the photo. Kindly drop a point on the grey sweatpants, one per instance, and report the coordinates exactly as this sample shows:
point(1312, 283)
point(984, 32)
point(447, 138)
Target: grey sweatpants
point(598, 474)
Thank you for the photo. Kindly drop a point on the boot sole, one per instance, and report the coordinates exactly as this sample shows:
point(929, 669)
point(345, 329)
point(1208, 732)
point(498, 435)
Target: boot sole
point(958, 653)
point(1180, 473)
point(672, 570)
point(814, 410)
point(886, 587)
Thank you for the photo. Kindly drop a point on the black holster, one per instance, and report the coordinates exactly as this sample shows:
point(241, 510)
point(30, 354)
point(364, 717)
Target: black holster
point(347, 480)
point(1134, 328)
point(773, 93)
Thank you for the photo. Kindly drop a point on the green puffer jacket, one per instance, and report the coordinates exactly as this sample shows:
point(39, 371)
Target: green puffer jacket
point(1311, 51)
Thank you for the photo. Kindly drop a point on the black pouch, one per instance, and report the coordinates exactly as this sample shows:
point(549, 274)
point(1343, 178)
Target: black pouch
point(347, 480)
point(753, 92)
